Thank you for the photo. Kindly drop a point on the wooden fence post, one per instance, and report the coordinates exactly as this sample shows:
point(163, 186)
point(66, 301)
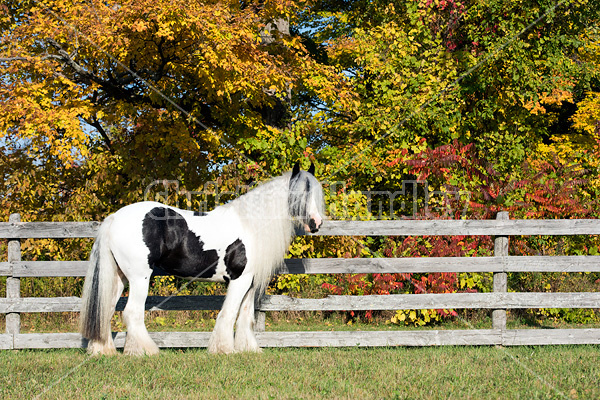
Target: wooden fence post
point(260, 317)
point(260, 321)
point(500, 278)
point(13, 285)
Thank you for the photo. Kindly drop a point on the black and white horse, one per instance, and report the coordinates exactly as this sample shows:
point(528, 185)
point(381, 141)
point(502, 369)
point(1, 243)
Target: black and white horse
point(240, 243)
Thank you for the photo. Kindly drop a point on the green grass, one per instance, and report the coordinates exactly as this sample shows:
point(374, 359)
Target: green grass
point(545, 372)
point(349, 373)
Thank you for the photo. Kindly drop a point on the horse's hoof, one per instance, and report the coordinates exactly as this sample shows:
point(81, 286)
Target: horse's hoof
point(140, 352)
point(216, 349)
point(135, 348)
point(98, 349)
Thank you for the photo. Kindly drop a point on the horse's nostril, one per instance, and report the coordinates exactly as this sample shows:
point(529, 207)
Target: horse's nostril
point(312, 225)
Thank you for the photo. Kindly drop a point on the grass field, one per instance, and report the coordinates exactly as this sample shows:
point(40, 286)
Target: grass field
point(544, 372)
point(552, 372)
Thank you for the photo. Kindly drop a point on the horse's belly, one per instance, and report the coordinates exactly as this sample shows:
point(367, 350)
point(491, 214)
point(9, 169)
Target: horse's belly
point(202, 264)
point(222, 278)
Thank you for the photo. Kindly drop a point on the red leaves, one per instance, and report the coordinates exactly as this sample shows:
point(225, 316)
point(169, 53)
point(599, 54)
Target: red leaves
point(384, 284)
point(438, 246)
point(337, 290)
point(436, 162)
point(392, 163)
point(549, 188)
point(365, 284)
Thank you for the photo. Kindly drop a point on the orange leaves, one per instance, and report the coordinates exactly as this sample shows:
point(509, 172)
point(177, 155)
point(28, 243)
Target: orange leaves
point(100, 97)
point(143, 51)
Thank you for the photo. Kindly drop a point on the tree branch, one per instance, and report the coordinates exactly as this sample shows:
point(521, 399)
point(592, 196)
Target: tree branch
point(116, 89)
point(96, 124)
point(68, 60)
point(21, 58)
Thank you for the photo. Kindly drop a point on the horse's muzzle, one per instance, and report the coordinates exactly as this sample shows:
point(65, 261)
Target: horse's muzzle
point(312, 226)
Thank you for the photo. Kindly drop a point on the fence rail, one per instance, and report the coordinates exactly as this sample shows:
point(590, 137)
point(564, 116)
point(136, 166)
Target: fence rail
point(24, 269)
point(499, 300)
point(508, 227)
point(330, 303)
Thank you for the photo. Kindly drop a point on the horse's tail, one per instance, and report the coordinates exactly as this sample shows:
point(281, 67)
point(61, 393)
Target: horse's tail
point(96, 306)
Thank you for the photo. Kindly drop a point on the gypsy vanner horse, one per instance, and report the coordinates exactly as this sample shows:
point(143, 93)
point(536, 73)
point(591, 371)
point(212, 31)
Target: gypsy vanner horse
point(240, 243)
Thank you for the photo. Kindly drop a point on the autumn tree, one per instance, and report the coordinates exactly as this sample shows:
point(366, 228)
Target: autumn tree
point(497, 74)
point(100, 98)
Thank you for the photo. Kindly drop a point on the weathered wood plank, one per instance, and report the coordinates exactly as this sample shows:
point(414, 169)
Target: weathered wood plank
point(69, 340)
point(358, 265)
point(27, 269)
point(500, 279)
point(5, 269)
point(529, 337)
point(332, 303)
point(314, 266)
point(13, 285)
point(391, 265)
point(73, 304)
point(552, 264)
point(76, 341)
point(442, 264)
point(39, 304)
point(181, 339)
point(6, 341)
point(48, 230)
point(475, 337)
point(461, 227)
point(34, 230)
point(281, 339)
point(309, 266)
point(49, 341)
point(378, 338)
point(435, 301)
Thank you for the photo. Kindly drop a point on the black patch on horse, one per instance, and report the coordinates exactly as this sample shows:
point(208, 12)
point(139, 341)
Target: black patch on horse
point(235, 259)
point(199, 214)
point(175, 249)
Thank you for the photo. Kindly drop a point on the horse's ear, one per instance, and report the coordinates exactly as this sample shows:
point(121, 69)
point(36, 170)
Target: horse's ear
point(311, 169)
point(296, 170)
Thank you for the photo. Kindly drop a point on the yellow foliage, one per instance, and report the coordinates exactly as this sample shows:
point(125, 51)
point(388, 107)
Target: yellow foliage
point(587, 118)
point(99, 99)
point(555, 97)
point(415, 317)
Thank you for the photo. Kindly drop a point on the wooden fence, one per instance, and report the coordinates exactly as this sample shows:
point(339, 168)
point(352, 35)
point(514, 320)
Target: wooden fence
point(499, 300)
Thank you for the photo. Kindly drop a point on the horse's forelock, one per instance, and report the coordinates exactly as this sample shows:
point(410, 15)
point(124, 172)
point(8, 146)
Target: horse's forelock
point(304, 188)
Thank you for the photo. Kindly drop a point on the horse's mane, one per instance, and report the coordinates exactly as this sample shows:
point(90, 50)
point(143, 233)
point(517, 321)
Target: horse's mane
point(264, 212)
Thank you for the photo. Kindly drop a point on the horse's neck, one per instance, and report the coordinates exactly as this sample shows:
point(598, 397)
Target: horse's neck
point(268, 199)
point(265, 211)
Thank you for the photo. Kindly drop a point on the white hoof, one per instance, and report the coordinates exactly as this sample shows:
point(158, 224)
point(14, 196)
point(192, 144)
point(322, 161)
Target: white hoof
point(96, 348)
point(247, 343)
point(136, 347)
